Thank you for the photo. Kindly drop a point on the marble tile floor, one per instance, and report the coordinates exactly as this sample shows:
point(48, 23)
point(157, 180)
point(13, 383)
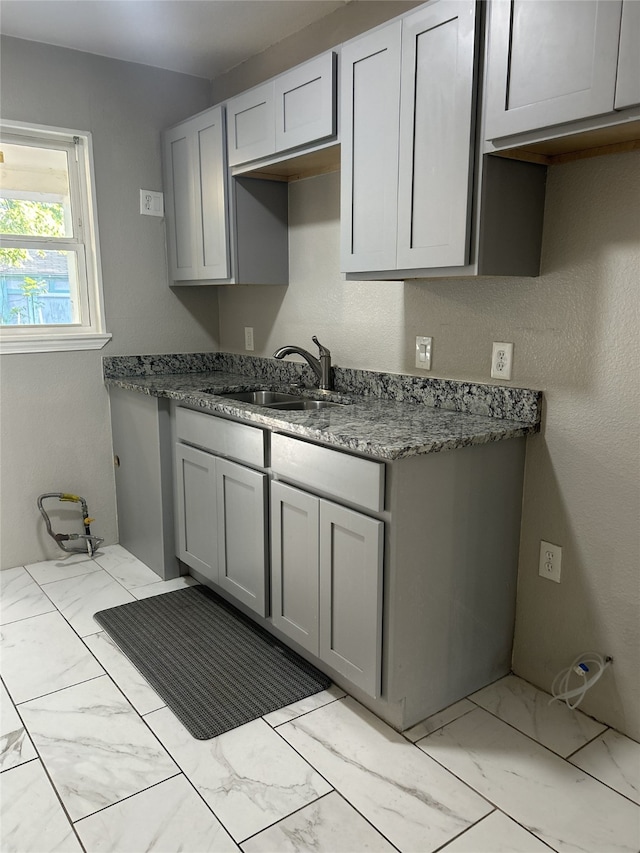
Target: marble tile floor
point(92, 760)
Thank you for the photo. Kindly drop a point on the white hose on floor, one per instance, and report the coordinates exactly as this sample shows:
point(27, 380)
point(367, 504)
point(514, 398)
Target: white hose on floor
point(588, 668)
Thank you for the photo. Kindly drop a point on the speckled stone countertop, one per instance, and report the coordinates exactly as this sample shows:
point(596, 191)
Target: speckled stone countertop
point(388, 416)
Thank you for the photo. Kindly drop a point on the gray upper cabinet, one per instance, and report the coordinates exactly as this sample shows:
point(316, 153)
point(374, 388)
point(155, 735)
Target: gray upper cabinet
point(436, 147)
point(196, 198)
point(628, 80)
point(251, 131)
point(220, 230)
point(551, 62)
point(305, 103)
point(369, 117)
point(294, 109)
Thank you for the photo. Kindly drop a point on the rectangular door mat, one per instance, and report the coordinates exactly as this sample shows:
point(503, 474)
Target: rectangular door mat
point(213, 666)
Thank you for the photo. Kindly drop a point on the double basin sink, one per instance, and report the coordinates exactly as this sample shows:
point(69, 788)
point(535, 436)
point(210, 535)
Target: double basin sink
point(276, 400)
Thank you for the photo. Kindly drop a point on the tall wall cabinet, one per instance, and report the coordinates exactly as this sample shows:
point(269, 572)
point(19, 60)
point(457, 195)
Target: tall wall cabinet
point(411, 197)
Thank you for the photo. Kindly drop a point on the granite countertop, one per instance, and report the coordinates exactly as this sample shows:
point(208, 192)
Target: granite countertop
point(387, 416)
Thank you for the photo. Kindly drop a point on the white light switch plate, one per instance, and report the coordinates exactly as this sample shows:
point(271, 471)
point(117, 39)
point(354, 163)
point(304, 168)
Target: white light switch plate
point(423, 352)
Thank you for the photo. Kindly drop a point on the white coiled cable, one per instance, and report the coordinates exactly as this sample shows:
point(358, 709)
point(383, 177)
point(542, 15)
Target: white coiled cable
point(588, 668)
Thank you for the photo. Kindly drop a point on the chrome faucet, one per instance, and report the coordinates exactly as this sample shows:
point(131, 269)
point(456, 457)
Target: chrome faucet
point(320, 366)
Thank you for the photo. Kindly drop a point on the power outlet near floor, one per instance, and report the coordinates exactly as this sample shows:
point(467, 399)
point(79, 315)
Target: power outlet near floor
point(248, 338)
point(501, 360)
point(550, 561)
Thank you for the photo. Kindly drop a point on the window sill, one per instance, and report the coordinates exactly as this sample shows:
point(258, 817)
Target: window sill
point(52, 342)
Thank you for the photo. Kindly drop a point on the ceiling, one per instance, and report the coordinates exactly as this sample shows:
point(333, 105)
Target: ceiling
point(200, 37)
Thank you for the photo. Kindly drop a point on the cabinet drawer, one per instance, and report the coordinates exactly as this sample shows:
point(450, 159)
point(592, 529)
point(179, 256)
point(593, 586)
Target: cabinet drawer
point(226, 438)
point(349, 478)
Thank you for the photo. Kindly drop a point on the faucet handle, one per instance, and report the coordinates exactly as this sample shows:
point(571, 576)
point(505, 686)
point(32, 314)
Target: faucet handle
point(323, 350)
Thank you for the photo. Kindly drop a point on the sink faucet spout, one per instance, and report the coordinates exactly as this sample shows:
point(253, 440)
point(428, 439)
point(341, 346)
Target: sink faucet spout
point(320, 366)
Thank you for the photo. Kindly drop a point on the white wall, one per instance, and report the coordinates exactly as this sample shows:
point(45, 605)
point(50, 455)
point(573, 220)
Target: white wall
point(54, 415)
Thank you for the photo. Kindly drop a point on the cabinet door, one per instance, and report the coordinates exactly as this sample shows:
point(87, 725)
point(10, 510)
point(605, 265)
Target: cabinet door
point(305, 104)
point(294, 564)
point(369, 115)
point(196, 198)
point(550, 62)
point(195, 492)
point(251, 125)
point(241, 500)
point(628, 80)
point(211, 195)
point(351, 557)
point(180, 204)
point(436, 122)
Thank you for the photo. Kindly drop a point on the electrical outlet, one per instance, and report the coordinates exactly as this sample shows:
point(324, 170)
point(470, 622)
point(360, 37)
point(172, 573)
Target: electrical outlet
point(501, 361)
point(550, 561)
point(423, 352)
point(248, 338)
point(151, 203)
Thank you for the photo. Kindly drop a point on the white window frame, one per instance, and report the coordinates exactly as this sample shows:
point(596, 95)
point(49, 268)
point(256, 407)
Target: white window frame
point(90, 333)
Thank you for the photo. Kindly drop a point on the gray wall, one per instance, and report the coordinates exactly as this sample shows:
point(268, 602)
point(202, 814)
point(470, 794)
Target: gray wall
point(575, 330)
point(54, 414)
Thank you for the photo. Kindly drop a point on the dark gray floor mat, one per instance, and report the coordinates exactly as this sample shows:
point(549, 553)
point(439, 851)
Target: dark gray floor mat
point(213, 666)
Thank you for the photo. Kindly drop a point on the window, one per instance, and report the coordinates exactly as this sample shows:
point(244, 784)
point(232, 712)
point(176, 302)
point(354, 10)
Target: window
point(50, 282)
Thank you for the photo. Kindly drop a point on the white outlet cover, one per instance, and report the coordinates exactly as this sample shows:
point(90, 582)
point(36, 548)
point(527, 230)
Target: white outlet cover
point(501, 360)
point(550, 563)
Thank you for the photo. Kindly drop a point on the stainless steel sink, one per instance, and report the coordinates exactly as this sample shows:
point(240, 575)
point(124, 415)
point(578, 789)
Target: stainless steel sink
point(301, 405)
point(276, 400)
point(258, 398)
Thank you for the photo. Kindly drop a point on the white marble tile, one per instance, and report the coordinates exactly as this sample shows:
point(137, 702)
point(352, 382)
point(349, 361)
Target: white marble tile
point(43, 654)
point(297, 709)
point(496, 833)
point(143, 697)
point(560, 804)
point(15, 746)
point(249, 776)
point(79, 598)
point(20, 596)
point(615, 760)
point(414, 803)
point(164, 819)
point(163, 586)
point(437, 721)
point(94, 745)
point(528, 710)
point(329, 825)
point(62, 568)
point(125, 568)
point(32, 818)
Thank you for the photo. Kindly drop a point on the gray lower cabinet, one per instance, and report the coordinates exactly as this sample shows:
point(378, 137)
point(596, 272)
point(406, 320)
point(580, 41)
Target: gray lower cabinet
point(551, 62)
point(196, 510)
point(242, 510)
point(326, 577)
point(143, 451)
point(221, 508)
